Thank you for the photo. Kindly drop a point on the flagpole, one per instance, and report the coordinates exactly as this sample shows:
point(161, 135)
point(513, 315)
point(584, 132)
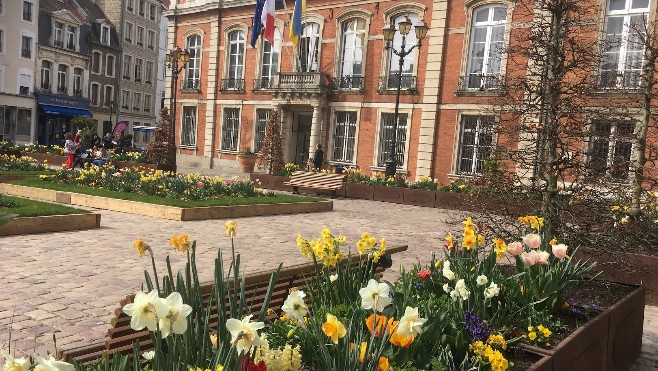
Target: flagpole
point(285, 9)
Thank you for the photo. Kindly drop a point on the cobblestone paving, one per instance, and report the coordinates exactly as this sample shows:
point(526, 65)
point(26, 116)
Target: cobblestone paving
point(69, 283)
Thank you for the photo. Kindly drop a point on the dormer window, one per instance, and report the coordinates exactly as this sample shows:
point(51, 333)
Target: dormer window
point(58, 40)
point(105, 34)
point(70, 37)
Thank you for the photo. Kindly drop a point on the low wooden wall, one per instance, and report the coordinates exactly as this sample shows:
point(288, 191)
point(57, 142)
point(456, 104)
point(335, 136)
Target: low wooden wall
point(53, 223)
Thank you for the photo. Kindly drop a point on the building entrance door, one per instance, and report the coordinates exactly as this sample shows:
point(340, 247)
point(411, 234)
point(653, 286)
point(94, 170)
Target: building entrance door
point(303, 138)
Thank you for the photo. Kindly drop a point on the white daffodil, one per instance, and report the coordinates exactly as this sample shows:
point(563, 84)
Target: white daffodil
point(375, 296)
point(244, 333)
point(294, 306)
point(491, 291)
point(149, 355)
point(145, 311)
point(410, 323)
point(333, 277)
point(446, 288)
point(13, 364)
point(176, 319)
point(481, 280)
point(51, 364)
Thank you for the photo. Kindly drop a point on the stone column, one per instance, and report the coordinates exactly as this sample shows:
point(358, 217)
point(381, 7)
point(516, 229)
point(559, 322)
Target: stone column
point(316, 129)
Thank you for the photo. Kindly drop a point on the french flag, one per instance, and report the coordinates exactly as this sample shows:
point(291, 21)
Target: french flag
point(267, 20)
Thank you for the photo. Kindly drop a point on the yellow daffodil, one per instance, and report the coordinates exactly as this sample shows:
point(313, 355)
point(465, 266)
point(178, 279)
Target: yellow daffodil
point(231, 227)
point(333, 328)
point(141, 247)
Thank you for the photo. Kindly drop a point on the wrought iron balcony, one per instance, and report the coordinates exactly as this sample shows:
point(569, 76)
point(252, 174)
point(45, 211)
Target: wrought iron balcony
point(479, 83)
point(190, 86)
point(62, 90)
point(391, 83)
point(26, 53)
point(232, 85)
point(77, 93)
point(264, 83)
point(70, 46)
point(348, 83)
point(58, 43)
point(46, 88)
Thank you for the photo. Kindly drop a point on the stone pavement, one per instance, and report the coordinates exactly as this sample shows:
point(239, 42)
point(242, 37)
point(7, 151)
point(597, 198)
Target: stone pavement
point(69, 283)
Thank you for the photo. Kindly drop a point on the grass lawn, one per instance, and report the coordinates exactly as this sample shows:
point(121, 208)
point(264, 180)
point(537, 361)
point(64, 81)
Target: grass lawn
point(37, 208)
point(16, 172)
point(279, 198)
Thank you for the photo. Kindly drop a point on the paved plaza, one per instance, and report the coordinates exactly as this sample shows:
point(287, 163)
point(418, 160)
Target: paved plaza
point(69, 283)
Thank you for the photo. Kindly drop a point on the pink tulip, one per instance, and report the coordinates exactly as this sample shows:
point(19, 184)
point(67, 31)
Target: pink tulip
point(560, 251)
point(542, 257)
point(532, 240)
point(515, 248)
point(529, 258)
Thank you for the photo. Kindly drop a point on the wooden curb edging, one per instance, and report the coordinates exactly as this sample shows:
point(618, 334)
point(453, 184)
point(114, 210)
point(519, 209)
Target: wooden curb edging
point(52, 223)
point(162, 211)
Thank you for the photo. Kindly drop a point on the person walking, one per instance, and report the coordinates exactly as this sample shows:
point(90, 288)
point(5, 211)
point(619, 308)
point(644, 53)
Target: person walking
point(69, 150)
point(318, 157)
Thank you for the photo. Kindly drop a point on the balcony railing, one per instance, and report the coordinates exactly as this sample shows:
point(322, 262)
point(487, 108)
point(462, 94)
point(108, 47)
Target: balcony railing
point(70, 46)
point(232, 84)
point(263, 83)
point(58, 43)
point(626, 80)
point(190, 86)
point(62, 90)
point(391, 82)
point(309, 82)
point(479, 83)
point(26, 53)
point(44, 88)
point(348, 83)
point(77, 93)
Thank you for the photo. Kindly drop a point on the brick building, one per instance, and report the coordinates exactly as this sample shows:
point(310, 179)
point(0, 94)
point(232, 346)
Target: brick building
point(337, 89)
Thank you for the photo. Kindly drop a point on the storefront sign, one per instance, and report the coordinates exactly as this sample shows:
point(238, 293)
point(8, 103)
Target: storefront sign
point(62, 101)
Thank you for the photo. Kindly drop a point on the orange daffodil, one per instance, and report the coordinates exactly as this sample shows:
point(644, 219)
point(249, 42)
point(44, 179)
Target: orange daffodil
point(180, 243)
point(141, 247)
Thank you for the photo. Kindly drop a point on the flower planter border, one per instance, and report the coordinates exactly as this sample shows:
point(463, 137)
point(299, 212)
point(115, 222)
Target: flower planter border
point(51, 223)
point(162, 211)
point(44, 157)
point(418, 197)
point(610, 341)
point(359, 191)
point(271, 182)
point(394, 195)
point(142, 166)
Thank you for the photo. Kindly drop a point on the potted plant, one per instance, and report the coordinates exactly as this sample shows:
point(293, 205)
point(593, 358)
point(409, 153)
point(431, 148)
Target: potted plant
point(247, 160)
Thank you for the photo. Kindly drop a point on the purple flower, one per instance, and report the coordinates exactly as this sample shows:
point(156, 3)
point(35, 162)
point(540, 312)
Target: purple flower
point(478, 329)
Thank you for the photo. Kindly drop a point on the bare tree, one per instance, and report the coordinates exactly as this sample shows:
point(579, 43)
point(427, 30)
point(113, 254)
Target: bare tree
point(271, 153)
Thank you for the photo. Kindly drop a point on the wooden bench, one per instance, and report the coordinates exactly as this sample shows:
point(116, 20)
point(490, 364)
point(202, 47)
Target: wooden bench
point(120, 336)
point(324, 181)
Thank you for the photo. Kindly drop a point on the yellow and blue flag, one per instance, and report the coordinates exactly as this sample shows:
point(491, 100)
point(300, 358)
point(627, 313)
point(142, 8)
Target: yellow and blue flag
point(296, 23)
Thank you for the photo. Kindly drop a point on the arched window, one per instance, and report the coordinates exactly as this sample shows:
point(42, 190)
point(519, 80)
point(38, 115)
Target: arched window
point(408, 74)
point(194, 65)
point(77, 82)
point(62, 76)
point(309, 43)
point(487, 41)
point(46, 70)
point(352, 53)
point(270, 60)
point(623, 49)
point(234, 72)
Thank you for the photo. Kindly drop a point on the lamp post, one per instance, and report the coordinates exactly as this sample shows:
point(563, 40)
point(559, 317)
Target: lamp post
point(404, 27)
point(172, 58)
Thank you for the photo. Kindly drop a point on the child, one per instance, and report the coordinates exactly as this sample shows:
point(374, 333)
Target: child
point(69, 150)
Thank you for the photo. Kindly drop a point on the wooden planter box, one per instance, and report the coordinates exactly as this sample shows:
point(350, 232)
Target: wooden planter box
point(392, 195)
point(50, 224)
point(142, 166)
point(271, 182)
point(610, 341)
point(51, 159)
point(418, 197)
point(450, 200)
point(360, 191)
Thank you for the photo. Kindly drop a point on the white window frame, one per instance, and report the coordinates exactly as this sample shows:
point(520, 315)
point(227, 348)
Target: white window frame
point(137, 101)
point(153, 12)
point(95, 97)
point(29, 35)
point(624, 45)
point(125, 100)
point(345, 78)
point(58, 33)
point(147, 103)
point(309, 46)
point(347, 111)
point(128, 32)
point(139, 65)
point(238, 67)
point(191, 131)
point(106, 34)
point(150, 39)
point(32, 11)
point(392, 61)
point(378, 150)
point(65, 77)
point(107, 101)
point(139, 36)
point(230, 144)
point(78, 81)
point(148, 72)
point(481, 124)
point(193, 70)
point(50, 75)
point(486, 78)
point(71, 42)
point(270, 59)
point(110, 66)
point(127, 62)
point(99, 68)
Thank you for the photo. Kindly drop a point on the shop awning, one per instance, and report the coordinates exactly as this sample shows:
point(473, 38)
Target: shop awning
point(55, 110)
point(144, 128)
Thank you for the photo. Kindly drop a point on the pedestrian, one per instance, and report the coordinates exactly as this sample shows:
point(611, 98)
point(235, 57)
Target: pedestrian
point(69, 150)
point(96, 140)
point(318, 157)
point(107, 141)
point(76, 139)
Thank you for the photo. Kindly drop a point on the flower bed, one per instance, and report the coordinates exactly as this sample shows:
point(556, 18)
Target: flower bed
point(11, 163)
point(466, 311)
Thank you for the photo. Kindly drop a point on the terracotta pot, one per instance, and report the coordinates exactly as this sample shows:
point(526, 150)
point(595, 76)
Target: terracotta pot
point(419, 197)
point(247, 163)
point(360, 191)
point(392, 195)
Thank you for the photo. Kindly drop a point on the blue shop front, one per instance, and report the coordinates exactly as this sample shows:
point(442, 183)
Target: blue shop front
point(55, 114)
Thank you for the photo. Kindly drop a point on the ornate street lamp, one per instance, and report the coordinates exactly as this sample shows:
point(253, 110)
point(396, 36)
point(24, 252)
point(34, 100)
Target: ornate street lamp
point(172, 58)
point(404, 27)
